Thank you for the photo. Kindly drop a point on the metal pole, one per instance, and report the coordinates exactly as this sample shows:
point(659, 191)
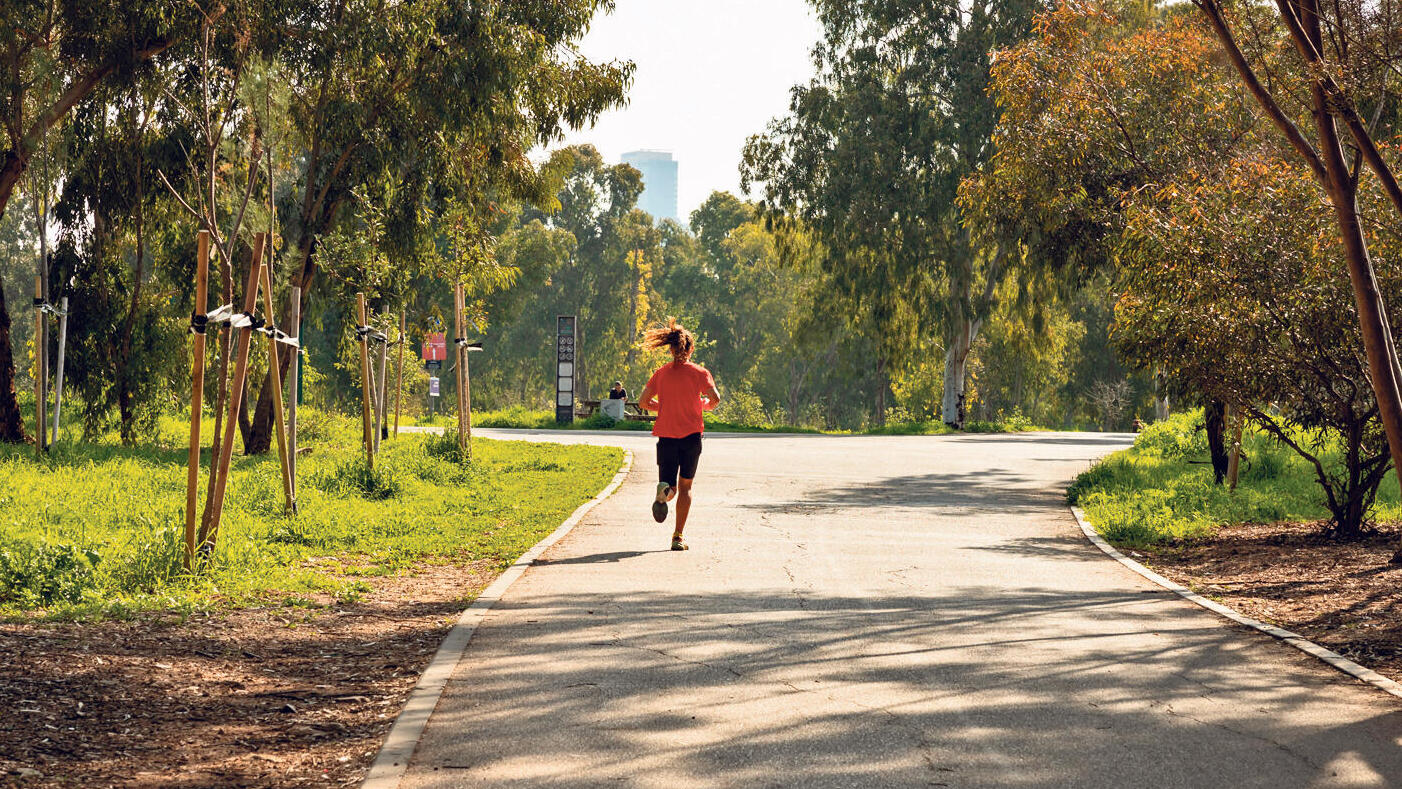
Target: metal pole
point(399, 374)
point(62, 342)
point(296, 331)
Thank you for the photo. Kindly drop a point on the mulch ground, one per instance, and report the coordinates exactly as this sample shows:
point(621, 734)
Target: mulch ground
point(278, 696)
point(1342, 595)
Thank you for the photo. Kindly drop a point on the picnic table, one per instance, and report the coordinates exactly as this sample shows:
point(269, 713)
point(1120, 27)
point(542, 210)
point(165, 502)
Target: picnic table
point(631, 410)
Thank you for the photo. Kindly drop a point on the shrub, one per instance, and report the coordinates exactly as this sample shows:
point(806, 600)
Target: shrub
point(354, 476)
point(46, 573)
point(742, 407)
point(444, 446)
point(1178, 436)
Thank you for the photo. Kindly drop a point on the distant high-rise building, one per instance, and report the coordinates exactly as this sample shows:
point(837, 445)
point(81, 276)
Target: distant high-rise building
point(659, 171)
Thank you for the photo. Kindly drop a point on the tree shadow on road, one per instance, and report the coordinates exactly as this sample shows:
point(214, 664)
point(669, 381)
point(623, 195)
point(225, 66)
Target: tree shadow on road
point(978, 686)
point(995, 490)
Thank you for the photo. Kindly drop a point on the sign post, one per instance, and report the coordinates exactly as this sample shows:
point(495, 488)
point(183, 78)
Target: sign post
point(566, 333)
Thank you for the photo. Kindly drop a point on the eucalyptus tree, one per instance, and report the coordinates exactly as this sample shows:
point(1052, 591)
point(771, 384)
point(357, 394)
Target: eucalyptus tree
point(395, 101)
point(72, 46)
point(870, 157)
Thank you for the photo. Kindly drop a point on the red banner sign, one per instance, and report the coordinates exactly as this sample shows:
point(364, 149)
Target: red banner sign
point(435, 347)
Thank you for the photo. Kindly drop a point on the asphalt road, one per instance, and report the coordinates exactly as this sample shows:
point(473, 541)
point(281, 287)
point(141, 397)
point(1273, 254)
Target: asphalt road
point(880, 612)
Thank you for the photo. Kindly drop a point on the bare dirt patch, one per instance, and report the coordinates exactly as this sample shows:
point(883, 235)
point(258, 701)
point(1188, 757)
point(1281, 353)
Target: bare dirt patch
point(275, 696)
point(1342, 595)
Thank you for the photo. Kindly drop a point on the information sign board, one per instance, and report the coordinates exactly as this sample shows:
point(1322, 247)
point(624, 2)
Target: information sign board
point(566, 337)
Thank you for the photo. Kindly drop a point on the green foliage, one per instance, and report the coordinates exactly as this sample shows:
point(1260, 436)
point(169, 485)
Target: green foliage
point(742, 406)
point(869, 158)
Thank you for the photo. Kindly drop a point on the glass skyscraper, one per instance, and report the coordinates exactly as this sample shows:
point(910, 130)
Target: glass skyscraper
point(659, 182)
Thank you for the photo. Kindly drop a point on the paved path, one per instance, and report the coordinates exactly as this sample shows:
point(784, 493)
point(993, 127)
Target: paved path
point(881, 612)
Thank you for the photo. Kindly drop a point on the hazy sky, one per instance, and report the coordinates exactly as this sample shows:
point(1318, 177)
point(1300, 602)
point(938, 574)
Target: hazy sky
point(709, 74)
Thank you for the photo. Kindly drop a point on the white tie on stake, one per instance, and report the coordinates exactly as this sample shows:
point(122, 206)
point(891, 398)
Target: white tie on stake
point(44, 306)
point(368, 332)
point(225, 316)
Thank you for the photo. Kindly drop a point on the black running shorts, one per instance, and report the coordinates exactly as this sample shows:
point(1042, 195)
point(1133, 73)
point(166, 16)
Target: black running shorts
point(678, 456)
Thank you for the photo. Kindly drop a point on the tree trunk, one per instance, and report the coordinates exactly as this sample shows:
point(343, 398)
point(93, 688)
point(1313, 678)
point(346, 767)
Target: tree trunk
point(880, 392)
point(11, 421)
point(956, 370)
point(1160, 398)
point(1215, 413)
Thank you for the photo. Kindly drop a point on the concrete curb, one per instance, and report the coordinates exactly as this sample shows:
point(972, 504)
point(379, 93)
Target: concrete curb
point(393, 760)
point(1295, 640)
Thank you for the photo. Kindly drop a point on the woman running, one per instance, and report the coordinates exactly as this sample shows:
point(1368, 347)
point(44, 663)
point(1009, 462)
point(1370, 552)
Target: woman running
point(679, 391)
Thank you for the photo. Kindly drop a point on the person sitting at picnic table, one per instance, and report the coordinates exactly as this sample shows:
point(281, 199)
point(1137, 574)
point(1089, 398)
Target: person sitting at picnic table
point(618, 392)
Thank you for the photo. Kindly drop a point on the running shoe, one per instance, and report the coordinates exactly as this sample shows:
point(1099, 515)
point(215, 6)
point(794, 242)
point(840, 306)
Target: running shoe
point(678, 544)
point(659, 504)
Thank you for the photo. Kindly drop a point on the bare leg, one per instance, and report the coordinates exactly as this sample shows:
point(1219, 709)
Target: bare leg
point(683, 505)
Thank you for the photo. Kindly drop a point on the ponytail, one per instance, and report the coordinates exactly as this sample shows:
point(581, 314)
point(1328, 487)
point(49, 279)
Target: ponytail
point(674, 337)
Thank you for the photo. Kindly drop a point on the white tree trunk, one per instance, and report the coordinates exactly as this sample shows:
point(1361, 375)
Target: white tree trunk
point(956, 369)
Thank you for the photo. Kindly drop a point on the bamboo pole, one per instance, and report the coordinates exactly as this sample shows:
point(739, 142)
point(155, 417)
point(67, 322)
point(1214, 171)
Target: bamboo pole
point(275, 379)
point(466, 391)
point(457, 362)
point(399, 369)
point(295, 377)
point(40, 374)
point(62, 347)
point(236, 398)
point(236, 394)
point(365, 381)
point(192, 480)
point(381, 421)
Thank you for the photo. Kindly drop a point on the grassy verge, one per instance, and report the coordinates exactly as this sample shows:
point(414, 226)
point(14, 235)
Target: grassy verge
point(1161, 490)
point(521, 417)
point(97, 529)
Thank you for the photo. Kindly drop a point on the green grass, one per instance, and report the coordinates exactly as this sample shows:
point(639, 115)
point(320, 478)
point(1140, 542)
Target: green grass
point(1161, 490)
point(97, 529)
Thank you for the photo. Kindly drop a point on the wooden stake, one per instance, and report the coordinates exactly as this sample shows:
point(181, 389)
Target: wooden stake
point(236, 396)
point(365, 382)
point(380, 400)
point(457, 363)
point(192, 480)
point(276, 380)
point(40, 374)
point(466, 354)
point(295, 371)
point(399, 368)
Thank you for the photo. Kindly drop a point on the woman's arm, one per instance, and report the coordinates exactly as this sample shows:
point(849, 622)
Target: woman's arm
point(648, 399)
point(710, 398)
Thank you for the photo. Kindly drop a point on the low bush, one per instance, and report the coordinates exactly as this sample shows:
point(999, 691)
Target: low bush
point(1161, 490)
point(355, 476)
